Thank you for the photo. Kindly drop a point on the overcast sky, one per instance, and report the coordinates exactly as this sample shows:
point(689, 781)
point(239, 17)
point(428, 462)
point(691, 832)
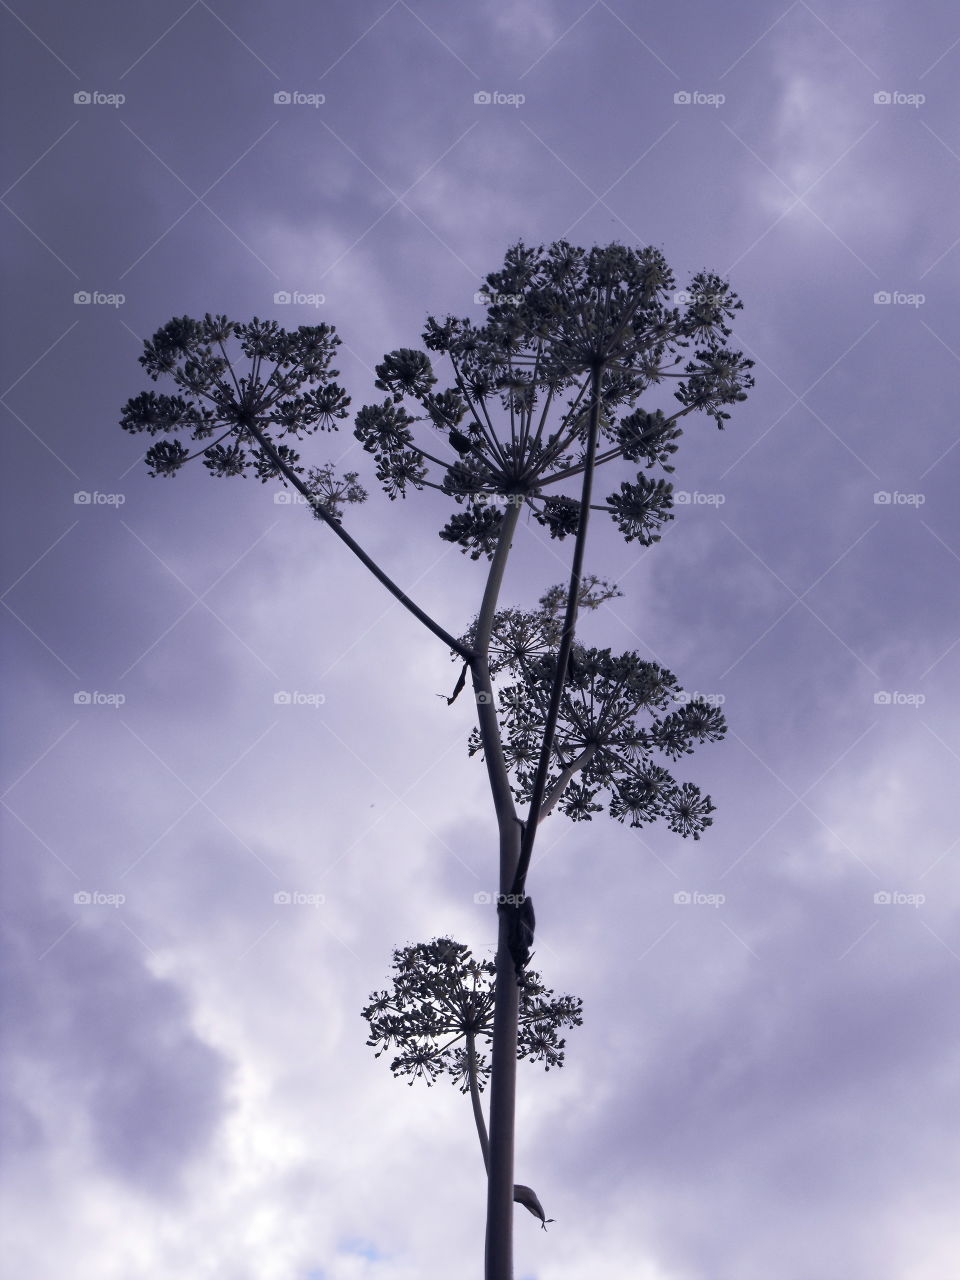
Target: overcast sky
point(766, 1081)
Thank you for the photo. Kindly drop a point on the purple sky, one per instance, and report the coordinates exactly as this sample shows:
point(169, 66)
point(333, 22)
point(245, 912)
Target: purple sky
point(766, 1083)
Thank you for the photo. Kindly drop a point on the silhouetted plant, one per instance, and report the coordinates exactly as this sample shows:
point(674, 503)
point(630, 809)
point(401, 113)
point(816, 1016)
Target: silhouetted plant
point(541, 396)
point(598, 735)
point(282, 402)
point(567, 313)
point(441, 1010)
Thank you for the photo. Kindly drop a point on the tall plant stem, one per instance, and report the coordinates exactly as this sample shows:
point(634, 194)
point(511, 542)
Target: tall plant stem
point(503, 1082)
point(503, 1079)
point(514, 860)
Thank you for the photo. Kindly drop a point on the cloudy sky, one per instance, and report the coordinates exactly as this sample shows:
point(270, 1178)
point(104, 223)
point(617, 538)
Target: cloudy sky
point(766, 1082)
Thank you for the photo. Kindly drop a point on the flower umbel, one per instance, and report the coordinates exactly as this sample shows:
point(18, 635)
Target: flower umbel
point(514, 421)
point(287, 391)
point(616, 712)
point(441, 996)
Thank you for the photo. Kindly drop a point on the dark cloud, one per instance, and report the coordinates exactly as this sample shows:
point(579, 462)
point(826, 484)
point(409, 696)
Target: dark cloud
point(762, 1088)
point(100, 1047)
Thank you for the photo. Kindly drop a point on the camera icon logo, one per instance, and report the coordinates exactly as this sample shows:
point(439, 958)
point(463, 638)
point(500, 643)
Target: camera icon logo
point(482, 98)
point(81, 298)
point(883, 898)
point(82, 498)
point(682, 898)
point(882, 297)
point(682, 98)
point(282, 698)
point(81, 698)
point(281, 297)
point(882, 98)
point(282, 98)
point(82, 899)
point(483, 898)
point(282, 898)
point(882, 498)
point(82, 98)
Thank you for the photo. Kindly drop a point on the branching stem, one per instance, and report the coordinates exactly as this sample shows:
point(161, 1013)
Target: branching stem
point(292, 478)
point(566, 641)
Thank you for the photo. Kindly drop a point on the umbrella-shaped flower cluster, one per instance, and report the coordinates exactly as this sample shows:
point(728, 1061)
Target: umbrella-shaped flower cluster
point(441, 1007)
point(561, 322)
point(618, 712)
point(240, 421)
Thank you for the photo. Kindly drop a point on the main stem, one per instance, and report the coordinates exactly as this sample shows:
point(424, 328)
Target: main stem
point(514, 860)
point(503, 1085)
point(503, 1081)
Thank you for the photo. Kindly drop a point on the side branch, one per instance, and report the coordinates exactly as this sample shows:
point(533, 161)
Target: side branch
point(558, 788)
point(475, 1099)
point(292, 478)
point(566, 642)
point(521, 1194)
